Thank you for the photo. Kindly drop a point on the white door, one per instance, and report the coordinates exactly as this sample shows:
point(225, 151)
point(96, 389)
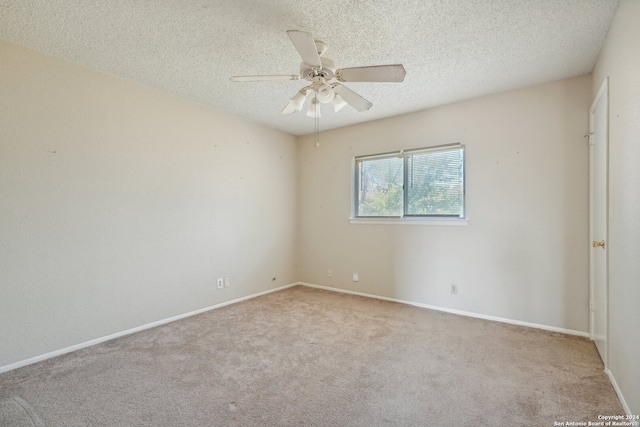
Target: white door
point(598, 201)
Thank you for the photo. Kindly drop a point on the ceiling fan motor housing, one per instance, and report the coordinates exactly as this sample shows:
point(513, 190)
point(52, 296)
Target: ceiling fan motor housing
point(327, 71)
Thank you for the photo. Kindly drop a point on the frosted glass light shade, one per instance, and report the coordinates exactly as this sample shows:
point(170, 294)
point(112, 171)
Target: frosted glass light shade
point(290, 108)
point(314, 109)
point(325, 93)
point(298, 99)
point(338, 103)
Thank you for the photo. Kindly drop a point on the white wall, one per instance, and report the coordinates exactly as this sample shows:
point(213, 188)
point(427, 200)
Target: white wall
point(120, 205)
point(619, 59)
point(523, 255)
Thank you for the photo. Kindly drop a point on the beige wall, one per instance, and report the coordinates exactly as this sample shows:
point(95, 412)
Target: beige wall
point(121, 205)
point(523, 255)
point(620, 61)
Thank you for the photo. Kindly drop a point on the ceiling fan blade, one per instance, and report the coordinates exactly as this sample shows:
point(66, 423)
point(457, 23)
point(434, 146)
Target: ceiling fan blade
point(376, 73)
point(290, 108)
point(352, 98)
point(263, 78)
point(306, 47)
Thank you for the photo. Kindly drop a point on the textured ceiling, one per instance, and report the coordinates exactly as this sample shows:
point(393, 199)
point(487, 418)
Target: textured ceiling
point(451, 50)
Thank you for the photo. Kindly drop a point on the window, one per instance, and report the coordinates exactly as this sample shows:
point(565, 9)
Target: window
point(427, 182)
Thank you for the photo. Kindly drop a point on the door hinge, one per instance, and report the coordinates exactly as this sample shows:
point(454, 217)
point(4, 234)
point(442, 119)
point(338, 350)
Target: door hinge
point(592, 305)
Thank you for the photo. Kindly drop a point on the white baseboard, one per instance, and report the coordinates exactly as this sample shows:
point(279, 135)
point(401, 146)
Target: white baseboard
point(95, 341)
point(453, 311)
point(614, 383)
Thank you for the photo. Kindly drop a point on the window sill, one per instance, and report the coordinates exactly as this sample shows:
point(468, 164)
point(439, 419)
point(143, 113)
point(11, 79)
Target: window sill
point(411, 221)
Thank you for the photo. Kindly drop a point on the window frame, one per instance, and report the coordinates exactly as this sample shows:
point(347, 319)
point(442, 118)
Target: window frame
point(356, 218)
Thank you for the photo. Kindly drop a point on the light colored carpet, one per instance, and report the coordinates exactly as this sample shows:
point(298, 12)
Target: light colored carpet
point(16, 412)
point(306, 357)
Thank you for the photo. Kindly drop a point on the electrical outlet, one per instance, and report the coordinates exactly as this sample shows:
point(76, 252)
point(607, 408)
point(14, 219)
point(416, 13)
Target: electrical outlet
point(355, 277)
point(329, 273)
point(454, 289)
point(220, 283)
point(227, 282)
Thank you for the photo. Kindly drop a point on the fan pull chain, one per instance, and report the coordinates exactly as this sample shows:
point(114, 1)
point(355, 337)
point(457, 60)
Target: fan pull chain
point(317, 120)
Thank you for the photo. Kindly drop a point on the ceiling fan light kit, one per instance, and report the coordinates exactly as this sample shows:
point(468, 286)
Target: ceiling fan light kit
point(314, 108)
point(290, 108)
point(299, 98)
point(324, 93)
point(320, 71)
point(338, 103)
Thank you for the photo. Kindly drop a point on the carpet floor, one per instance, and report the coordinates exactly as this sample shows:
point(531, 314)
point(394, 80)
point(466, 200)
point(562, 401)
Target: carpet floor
point(308, 357)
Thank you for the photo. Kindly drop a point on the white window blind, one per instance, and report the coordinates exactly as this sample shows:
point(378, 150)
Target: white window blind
point(414, 183)
point(435, 180)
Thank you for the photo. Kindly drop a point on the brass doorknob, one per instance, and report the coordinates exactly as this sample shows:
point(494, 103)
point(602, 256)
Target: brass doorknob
point(598, 244)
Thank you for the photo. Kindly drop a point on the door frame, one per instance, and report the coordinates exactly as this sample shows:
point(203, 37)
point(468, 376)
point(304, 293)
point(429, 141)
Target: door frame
point(603, 92)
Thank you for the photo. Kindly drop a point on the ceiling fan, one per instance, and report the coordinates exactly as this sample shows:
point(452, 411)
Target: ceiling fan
point(320, 71)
